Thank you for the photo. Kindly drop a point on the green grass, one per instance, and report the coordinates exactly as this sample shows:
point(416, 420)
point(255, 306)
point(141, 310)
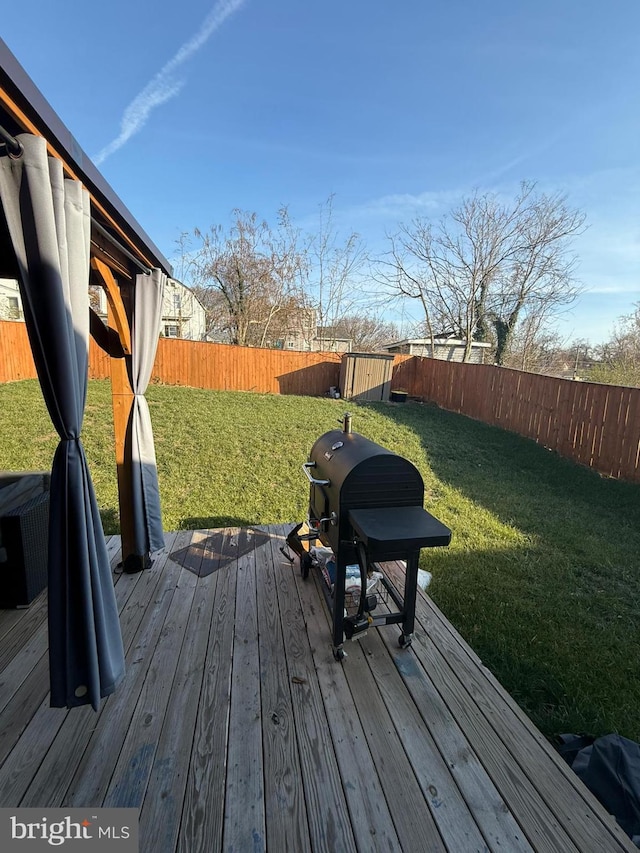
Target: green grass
point(543, 573)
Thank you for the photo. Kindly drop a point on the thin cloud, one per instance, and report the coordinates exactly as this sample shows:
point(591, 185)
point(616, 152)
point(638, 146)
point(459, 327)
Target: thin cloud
point(407, 205)
point(165, 85)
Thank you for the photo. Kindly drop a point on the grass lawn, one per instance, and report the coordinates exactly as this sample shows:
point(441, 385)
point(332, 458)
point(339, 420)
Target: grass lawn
point(543, 574)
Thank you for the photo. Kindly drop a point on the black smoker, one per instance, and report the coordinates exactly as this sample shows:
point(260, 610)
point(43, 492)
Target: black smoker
point(365, 504)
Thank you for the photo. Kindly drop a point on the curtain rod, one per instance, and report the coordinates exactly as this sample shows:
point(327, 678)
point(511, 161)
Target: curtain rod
point(99, 228)
point(15, 149)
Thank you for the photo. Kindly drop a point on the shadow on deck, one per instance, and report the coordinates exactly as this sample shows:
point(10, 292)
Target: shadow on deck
point(235, 729)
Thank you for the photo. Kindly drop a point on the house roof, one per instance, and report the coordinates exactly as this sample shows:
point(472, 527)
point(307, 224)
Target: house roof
point(437, 341)
point(331, 333)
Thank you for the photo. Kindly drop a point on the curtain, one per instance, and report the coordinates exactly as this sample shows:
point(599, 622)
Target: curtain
point(49, 222)
point(147, 520)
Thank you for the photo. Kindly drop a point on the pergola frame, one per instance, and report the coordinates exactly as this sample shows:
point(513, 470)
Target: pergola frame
point(119, 249)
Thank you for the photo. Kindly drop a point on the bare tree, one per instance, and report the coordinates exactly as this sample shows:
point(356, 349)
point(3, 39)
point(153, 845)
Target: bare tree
point(487, 265)
point(537, 279)
point(333, 273)
point(248, 276)
point(534, 349)
point(367, 332)
point(618, 359)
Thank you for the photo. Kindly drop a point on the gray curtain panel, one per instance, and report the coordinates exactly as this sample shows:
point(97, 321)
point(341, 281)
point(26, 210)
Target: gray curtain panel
point(49, 222)
point(147, 518)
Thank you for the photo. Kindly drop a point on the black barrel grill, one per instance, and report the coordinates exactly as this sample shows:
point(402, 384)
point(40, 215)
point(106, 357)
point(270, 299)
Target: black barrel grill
point(366, 504)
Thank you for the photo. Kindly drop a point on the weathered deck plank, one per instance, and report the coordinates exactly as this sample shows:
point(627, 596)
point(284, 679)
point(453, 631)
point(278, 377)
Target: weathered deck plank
point(454, 820)
point(488, 808)
point(20, 625)
point(285, 809)
point(402, 791)
point(131, 775)
point(558, 803)
point(544, 832)
point(329, 823)
point(29, 751)
point(203, 805)
point(97, 764)
point(10, 618)
point(372, 822)
point(53, 778)
point(244, 818)
point(162, 808)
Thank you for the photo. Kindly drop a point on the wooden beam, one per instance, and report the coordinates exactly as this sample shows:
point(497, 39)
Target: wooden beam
point(106, 338)
point(98, 251)
point(122, 401)
point(117, 311)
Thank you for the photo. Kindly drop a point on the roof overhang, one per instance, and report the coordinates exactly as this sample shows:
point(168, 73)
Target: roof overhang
point(438, 342)
point(23, 108)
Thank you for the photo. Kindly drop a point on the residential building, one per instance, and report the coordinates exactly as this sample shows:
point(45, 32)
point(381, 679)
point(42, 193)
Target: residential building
point(304, 334)
point(10, 301)
point(443, 348)
point(182, 313)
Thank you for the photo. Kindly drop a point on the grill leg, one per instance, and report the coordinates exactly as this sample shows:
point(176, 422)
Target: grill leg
point(410, 590)
point(338, 608)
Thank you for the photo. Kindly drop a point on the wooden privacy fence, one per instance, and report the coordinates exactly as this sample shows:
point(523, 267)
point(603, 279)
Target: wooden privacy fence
point(224, 367)
point(596, 425)
point(16, 361)
point(219, 367)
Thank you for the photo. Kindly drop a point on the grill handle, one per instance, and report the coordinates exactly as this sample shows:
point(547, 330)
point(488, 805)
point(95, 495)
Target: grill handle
point(306, 466)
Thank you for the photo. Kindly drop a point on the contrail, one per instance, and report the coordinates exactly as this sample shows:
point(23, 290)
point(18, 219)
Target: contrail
point(165, 85)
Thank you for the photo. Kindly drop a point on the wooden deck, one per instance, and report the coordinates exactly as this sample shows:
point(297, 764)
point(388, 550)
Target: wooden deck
point(236, 730)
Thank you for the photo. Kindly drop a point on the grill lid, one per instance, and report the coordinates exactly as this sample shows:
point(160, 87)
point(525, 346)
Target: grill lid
point(357, 472)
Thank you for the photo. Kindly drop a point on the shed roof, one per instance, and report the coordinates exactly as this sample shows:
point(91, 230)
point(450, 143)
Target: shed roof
point(436, 341)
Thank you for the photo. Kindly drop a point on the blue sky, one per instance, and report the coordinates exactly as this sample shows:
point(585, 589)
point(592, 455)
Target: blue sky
point(398, 108)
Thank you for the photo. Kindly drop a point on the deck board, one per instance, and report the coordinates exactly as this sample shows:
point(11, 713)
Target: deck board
point(53, 776)
point(494, 819)
point(244, 819)
point(162, 808)
point(371, 819)
point(456, 823)
point(329, 824)
point(94, 770)
point(506, 726)
point(401, 788)
point(131, 774)
point(235, 729)
point(203, 805)
point(285, 808)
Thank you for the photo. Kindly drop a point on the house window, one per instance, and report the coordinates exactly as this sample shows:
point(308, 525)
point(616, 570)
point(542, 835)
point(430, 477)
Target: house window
point(170, 330)
point(177, 303)
point(14, 308)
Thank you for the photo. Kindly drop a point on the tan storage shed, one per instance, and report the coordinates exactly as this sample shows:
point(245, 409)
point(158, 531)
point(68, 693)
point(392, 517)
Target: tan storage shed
point(365, 376)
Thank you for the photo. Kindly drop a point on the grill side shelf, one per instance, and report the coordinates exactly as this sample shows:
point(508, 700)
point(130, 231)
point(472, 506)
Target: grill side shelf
point(396, 528)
